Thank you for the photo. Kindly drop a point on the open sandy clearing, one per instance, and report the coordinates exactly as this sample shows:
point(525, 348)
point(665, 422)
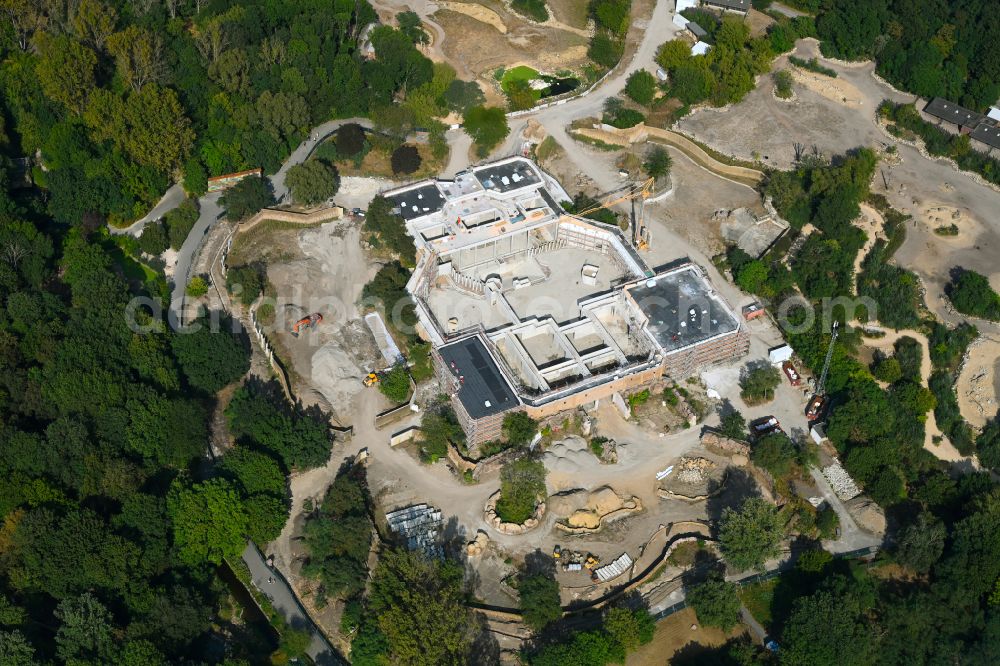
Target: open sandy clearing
point(482, 40)
point(838, 90)
point(478, 12)
point(978, 385)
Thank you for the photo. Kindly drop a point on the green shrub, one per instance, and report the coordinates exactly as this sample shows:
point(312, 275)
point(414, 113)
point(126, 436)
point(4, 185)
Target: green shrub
point(813, 66)
point(533, 9)
point(972, 294)
point(783, 84)
point(395, 384)
point(522, 485)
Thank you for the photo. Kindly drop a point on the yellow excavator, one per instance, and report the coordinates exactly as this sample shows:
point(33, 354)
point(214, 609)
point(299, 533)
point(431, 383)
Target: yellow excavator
point(632, 192)
point(370, 380)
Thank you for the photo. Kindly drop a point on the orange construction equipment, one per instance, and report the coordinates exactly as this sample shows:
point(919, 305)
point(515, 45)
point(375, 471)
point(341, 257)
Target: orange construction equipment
point(371, 379)
point(306, 323)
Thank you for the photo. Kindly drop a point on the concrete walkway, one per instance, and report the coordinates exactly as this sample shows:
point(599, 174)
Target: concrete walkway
point(273, 585)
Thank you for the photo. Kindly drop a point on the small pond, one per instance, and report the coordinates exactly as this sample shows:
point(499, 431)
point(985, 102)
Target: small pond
point(558, 86)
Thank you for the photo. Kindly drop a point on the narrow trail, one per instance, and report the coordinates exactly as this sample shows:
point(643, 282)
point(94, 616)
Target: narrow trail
point(944, 450)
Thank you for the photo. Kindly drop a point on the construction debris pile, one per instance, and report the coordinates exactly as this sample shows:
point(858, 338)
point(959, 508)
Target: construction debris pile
point(694, 470)
point(725, 444)
point(418, 525)
point(841, 481)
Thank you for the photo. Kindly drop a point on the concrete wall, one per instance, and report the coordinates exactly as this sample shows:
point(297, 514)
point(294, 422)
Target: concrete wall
point(331, 213)
point(627, 383)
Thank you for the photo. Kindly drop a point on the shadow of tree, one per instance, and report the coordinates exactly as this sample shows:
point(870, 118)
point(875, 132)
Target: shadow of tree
point(730, 492)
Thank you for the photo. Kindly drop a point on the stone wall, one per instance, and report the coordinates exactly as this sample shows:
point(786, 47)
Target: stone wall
point(494, 521)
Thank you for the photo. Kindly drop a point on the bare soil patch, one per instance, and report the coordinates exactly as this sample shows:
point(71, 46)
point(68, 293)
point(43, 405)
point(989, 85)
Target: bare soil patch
point(378, 164)
point(570, 12)
point(483, 39)
point(837, 90)
point(978, 385)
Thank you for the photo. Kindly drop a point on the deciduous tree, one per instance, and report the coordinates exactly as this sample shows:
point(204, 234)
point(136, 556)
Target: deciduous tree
point(65, 70)
point(716, 603)
point(750, 535)
point(209, 521)
point(313, 181)
point(138, 56)
point(487, 126)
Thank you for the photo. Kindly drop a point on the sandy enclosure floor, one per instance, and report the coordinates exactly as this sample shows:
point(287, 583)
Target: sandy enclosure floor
point(978, 385)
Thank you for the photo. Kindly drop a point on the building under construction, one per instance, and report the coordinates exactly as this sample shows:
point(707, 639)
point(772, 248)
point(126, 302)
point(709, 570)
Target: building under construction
point(531, 308)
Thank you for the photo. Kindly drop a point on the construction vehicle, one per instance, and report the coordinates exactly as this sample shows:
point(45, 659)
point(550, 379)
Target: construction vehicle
point(306, 323)
point(592, 561)
point(371, 379)
point(632, 192)
point(556, 552)
point(818, 402)
point(793, 376)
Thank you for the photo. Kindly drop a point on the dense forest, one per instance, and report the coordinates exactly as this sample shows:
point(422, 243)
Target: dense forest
point(117, 98)
point(934, 48)
point(943, 606)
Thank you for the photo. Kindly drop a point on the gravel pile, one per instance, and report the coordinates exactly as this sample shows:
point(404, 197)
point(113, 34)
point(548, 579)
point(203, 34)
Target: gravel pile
point(841, 481)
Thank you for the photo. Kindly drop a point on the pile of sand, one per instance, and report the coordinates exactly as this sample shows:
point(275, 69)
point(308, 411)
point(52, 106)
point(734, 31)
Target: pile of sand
point(565, 460)
point(837, 90)
point(338, 366)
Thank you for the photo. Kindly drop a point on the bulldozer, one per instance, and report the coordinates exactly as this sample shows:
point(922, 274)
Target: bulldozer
point(592, 561)
point(306, 323)
point(371, 379)
point(557, 552)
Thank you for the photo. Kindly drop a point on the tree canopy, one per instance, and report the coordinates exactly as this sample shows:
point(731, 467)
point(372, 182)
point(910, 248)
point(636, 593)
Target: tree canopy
point(313, 181)
point(522, 486)
point(749, 536)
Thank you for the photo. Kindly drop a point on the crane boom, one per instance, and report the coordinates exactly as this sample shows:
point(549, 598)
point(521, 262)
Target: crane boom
point(821, 386)
point(631, 192)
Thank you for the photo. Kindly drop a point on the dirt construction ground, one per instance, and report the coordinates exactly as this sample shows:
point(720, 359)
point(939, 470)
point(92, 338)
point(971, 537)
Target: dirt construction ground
point(834, 115)
point(482, 36)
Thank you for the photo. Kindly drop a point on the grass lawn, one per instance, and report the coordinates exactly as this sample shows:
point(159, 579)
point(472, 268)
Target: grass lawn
point(674, 634)
point(378, 164)
point(520, 73)
point(758, 599)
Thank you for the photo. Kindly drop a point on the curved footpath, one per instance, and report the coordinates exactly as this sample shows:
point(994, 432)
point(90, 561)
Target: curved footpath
point(211, 211)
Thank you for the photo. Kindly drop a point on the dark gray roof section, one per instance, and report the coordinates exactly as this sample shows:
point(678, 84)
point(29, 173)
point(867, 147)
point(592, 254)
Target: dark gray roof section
point(419, 201)
point(987, 133)
point(483, 390)
point(696, 30)
point(680, 310)
point(953, 113)
point(508, 176)
point(737, 5)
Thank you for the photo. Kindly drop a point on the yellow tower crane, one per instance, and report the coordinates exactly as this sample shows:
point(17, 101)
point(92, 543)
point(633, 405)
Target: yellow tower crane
point(632, 192)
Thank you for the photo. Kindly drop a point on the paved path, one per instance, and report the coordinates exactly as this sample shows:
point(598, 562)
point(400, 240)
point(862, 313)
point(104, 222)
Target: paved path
point(755, 627)
point(211, 212)
point(285, 602)
point(171, 199)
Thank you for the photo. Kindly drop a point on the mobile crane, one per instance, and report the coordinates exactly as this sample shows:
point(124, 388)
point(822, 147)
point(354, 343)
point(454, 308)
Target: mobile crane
point(632, 192)
point(818, 402)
